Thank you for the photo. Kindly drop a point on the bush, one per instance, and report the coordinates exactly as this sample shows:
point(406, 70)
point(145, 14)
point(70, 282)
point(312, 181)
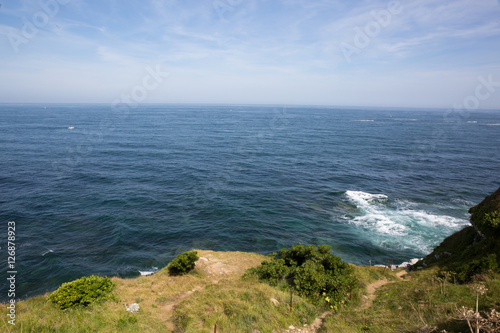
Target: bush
point(466, 272)
point(314, 272)
point(84, 291)
point(183, 263)
point(273, 272)
point(486, 215)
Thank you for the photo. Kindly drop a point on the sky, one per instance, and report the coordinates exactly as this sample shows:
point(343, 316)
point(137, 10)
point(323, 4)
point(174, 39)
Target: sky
point(419, 53)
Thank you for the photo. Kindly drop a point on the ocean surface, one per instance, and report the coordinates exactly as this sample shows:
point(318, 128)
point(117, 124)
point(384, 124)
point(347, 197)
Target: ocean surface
point(101, 190)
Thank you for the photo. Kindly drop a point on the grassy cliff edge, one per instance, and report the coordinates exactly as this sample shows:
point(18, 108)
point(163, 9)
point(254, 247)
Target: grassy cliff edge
point(215, 294)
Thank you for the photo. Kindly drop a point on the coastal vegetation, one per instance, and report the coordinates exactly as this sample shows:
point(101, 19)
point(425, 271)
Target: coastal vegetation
point(313, 272)
point(473, 251)
point(82, 292)
point(183, 263)
point(456, 288)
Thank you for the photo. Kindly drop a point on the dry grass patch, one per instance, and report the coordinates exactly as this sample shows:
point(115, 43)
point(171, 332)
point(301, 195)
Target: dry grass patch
point(157, 295)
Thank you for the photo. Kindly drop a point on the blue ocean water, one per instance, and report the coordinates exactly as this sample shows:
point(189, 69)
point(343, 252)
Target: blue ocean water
point(96, 190)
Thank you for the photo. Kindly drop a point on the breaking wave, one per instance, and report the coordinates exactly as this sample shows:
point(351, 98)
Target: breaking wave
point(398, 223)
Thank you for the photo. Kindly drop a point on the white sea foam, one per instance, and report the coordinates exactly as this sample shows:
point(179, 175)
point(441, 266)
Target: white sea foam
point(405, 119)
point(472, 122)
point(365, 120)
point(399, 223)
point(492, 124)
point(364, 198)
point(149, 272)
point(373, 216)
point(465, 203)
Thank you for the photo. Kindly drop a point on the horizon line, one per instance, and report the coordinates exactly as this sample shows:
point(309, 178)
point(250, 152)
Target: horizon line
point(257, 105)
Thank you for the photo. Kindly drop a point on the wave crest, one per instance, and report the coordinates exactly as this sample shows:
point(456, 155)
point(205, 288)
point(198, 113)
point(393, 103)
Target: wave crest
point(399, 223)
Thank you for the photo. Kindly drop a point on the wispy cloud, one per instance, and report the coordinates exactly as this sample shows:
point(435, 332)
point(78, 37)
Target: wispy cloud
point(106, 54)
point(267, 50)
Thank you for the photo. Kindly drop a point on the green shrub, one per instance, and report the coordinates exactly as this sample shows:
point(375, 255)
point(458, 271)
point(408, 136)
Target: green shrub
point(273, 272)
point(486, 215)
point(466, 272)
point(84, 291)
point(183, 263)
point(488, 222)
point(314, 272)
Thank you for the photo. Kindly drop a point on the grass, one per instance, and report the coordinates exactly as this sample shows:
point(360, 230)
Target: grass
point(212, 293)
point(242, 307)
point(215, 293)
point(418, 300)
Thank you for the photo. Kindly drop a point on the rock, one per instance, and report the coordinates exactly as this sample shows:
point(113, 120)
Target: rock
point(407, 264)
point(133, 308)
point(291, 327)
point(414, 261)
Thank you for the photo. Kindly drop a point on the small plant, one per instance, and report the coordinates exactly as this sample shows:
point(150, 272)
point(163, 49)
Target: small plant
point(486, 215)
point(476, 322)
point(84, 291)
point(183, 263)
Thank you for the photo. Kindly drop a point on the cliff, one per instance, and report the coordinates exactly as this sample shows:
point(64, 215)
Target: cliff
point(474, 250)
point(485, 217)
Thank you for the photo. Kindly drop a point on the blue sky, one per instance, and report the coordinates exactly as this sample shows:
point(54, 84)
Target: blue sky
point(420, 53)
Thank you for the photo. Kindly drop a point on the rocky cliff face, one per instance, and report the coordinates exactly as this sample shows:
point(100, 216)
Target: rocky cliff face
point(474, 250)
point(485, 217)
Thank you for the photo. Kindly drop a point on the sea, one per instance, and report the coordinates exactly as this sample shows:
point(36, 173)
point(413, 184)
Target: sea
point(100, 189)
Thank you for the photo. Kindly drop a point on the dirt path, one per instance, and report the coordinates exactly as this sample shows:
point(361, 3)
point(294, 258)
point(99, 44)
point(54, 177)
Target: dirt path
point(370, 292)
point(311, 328)
point(373, 287)
point(218, 267)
